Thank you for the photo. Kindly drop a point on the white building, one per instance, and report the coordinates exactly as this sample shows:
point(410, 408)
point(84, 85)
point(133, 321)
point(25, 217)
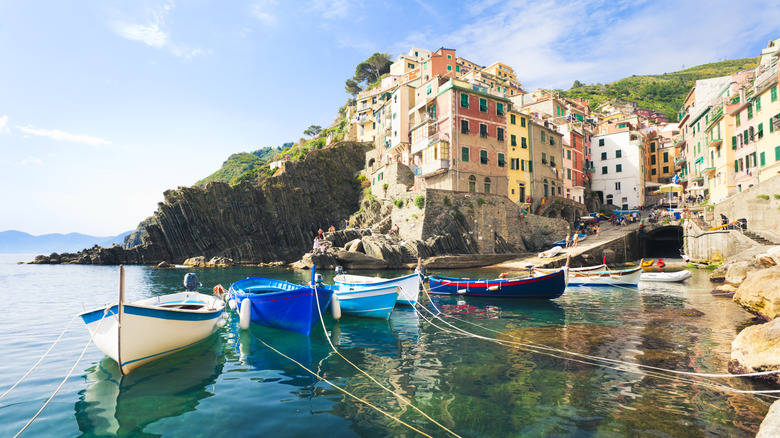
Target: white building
point(619, 168)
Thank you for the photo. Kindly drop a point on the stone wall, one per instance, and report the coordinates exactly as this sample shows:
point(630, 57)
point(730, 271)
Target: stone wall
point(763, 215)
point(713, 246)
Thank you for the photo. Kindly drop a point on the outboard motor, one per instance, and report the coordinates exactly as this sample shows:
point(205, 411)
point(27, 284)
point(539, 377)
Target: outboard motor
point(318, 279)
point(191, 281)
point(339, 270)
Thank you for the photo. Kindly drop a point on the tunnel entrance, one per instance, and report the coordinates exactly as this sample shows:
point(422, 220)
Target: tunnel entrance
point(662, 242)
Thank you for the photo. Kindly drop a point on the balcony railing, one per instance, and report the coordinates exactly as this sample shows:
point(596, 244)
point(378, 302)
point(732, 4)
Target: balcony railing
point(434, 166)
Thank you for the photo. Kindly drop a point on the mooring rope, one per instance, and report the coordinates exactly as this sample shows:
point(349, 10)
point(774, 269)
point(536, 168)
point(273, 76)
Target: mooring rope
point(621, 366)
point(365, 402)
point(41, 359)
point(399, 396)
point(614, 361)
point(67, 376)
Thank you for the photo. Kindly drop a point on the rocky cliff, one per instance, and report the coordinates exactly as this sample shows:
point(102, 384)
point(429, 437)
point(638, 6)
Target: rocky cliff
point(273, 221)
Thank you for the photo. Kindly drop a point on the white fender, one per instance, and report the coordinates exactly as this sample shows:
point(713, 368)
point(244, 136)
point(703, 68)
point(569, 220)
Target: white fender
point(245, 314)
point(221, 323)
point(335, 307)
point(232, 304)
point(224, 315)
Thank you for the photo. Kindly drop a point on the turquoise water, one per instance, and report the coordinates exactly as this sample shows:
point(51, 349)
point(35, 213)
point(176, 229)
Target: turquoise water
point(260, 382)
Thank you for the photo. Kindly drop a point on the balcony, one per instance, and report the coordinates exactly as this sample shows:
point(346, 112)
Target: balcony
point(433, 167)
point(713, 140)
point(708, 171)
point(766, 79)
point(679, 161)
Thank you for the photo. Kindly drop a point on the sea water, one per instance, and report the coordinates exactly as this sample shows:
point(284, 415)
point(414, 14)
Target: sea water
point(483, 368)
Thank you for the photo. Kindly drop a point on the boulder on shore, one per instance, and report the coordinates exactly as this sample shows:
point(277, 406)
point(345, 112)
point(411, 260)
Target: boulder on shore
point(770, 427)
point(757, 348)
point(759, 293)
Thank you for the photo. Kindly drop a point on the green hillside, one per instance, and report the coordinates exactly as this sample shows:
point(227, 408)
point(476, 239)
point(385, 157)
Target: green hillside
point(663, 93)
point(232, 169)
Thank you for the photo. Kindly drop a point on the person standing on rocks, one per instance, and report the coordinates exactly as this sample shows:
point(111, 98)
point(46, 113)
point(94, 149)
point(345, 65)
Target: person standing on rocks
point(320, 235)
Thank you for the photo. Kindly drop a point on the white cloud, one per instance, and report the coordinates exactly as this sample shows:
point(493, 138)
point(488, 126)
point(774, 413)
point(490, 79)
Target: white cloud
point(4, 125)
point(334, 9)
point(56, 134)
point(153, 31)
point(264, 12)
point(32, 160)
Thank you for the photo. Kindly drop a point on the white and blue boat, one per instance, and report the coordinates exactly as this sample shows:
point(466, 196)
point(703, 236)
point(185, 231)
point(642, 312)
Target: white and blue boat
point(279, 304)
point(409, 285)
point(366, 299)
point(139, 332)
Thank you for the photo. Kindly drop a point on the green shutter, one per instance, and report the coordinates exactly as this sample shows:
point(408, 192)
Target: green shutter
point(499, 109)
point(774, 93)
point(530, 166)
point(514, 140)
point(512, 119)
point(522, 122)
point(483, 105)
point(464, 100)
point(464, 154)
point(734, 142)
point(777, 153)
point(763, 160)
point(524, 142)
point(736, 166)
point(758, 103)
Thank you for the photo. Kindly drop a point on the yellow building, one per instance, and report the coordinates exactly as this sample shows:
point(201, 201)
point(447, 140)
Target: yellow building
point(767, 105)
point(520, 166)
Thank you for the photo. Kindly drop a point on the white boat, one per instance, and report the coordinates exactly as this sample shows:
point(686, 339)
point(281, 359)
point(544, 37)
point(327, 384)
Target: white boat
point(550, 252)
point(139, 332)
point(668, 277)
point(600, 275)
point(409, 285)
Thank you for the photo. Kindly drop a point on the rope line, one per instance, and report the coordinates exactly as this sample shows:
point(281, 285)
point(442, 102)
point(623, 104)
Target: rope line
point(650, 367)
point(39, 360)
point(367, 403)
point(399, 396)
point(67, 376)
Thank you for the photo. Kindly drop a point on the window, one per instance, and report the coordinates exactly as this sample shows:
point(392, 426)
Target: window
point(618, 168)
point(464, 126)
point(483, 105)
point(425, 64)
point(666, 169)
point(500, 109)
point(483, 132)
point(409, 65)
point(543, 136)
point(500, 134)
point(552, 161)
point(758, 103)
point(652, 172)
point(568, 173)
point(773, 93)
point(501, 160)
point(428, 89)
point(530, 166)
point(464, 100)
point(568, 155)
point(652, 160)
point(652, 146)
point(666, 156)
point(483, 157)
point(617, 186)
point(603, 155)
point(601, 142)
point(457, 68)
point(512, 119)
point(762, 161)
point(472, 183)
point(449, 56)
point(522, 122)
point(750, 111)
point(514, 163)
point(618, 153)
point(513, 140)
point(737, 120)
point(777, 153)
point(544, 158)
point(464, 154)
point(523, 143)
point(760, 130)
point(552, 141)
point(449, 68)
point(733, 142)
point(487, 185)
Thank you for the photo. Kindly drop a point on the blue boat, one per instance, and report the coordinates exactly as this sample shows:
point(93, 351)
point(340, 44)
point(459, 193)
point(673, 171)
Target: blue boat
point(366, 299)
point(281, 304)
point(409, 284)
point(543, 286)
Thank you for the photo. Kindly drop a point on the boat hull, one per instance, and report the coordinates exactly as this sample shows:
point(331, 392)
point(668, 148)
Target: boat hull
point(598, 276)
point(665, 277)
point(546, 286)
point(409, 285)
point(371, 302)
point(280, 304)
point(153, 328)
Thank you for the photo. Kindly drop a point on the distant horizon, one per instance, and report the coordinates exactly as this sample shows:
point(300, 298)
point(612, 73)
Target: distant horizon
point(112, 104)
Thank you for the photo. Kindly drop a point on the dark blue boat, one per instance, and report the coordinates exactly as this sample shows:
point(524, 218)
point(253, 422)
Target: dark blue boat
point(543, 286)
point(281, 304)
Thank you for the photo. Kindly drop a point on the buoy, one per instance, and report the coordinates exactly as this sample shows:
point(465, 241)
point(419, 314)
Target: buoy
point(224, 315)
point(245, 314)
point(232, 304)
point(221, 323)
point(335, 307)
point(462, 291)
point(493, 288)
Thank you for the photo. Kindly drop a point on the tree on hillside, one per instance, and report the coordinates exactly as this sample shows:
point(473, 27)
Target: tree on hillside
point(312, 130)
point(353, 87)
point(368, 72)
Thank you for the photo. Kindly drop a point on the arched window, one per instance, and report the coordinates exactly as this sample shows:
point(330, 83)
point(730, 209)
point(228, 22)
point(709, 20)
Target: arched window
point(609, 199)
point(487, 185)
point(472, 183)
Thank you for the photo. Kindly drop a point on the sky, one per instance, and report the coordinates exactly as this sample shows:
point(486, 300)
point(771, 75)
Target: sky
point(105, 105)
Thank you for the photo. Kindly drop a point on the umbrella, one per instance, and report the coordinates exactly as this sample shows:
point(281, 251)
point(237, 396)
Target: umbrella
point(669, 188)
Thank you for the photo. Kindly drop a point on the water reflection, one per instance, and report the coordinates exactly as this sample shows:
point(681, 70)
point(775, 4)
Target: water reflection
point(117, 405)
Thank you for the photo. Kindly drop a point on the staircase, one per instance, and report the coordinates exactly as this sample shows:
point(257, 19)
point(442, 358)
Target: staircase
point(406, 255)
point(758, 238)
